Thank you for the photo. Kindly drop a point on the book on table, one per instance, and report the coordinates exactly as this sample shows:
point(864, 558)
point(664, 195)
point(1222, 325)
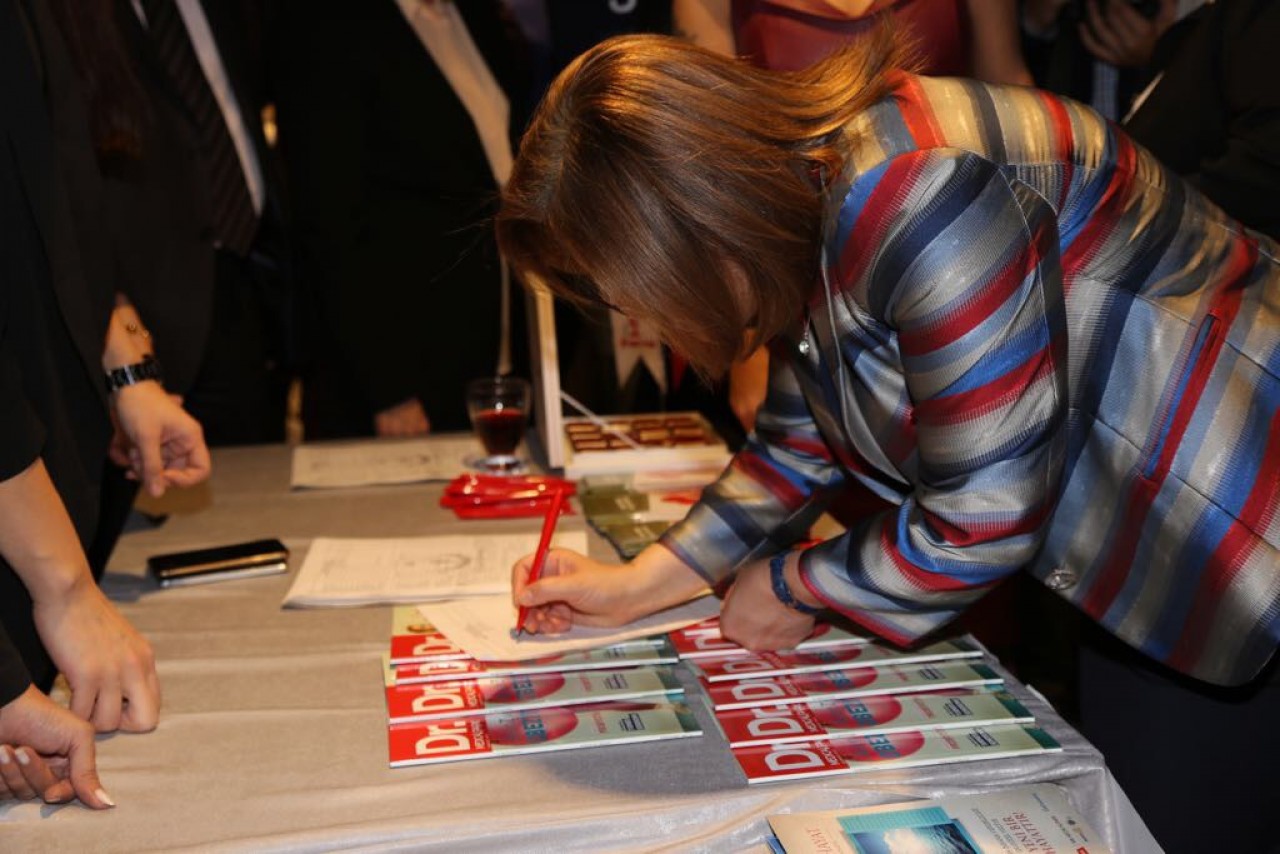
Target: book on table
point(488, 695)
point(649, 651)
point(703, 640)
point(1024, 820)
point(852, 682)
point(861, 754)
point(875, 654)
point(827, 719)
point(538, 731)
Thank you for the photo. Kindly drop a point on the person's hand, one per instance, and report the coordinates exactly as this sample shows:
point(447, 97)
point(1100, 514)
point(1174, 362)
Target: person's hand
point(575, 589)
point(748, 383)
point(753, 617)
point(161, 443)
point(403, 419)
point(47, 752)
point(109, 665)
point(1121, 35)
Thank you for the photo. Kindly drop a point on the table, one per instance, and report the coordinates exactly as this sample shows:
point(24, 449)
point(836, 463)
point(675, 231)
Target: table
point(273, 733)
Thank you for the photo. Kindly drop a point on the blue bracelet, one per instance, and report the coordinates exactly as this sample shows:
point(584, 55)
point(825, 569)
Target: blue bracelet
point(777, 565)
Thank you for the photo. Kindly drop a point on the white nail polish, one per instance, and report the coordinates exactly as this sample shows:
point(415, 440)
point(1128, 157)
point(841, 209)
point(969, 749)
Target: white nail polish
point(4, 756)
point(23, 758)
point(105, 798)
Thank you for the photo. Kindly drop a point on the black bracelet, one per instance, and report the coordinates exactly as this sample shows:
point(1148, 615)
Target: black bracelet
point(147, 369)
point(777, 566)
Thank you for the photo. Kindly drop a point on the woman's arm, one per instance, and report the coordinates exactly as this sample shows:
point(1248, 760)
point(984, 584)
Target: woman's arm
point(705, 23)
point(996, 44)
point(968, 277)
point(109, 666)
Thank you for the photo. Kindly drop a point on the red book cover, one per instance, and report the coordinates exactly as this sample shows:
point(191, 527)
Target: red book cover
point(437, 700)
point(868, 716)
point(756, 665)
point(859, 754)
point(702, 640)
point(623, 655)
point(536, 731)
point(853, 682)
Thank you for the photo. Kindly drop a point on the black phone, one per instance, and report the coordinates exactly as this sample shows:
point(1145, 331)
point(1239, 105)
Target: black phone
point(220, 563)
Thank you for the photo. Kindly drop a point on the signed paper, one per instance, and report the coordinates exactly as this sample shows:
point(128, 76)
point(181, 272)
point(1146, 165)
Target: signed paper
point(339, 572)
point(482, 626)
point(382, 462)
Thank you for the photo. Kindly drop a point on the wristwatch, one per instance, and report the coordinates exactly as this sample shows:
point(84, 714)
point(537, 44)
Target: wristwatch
point(777, 565)
point(147, 369)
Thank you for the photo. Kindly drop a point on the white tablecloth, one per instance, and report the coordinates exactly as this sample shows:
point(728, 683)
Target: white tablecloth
point(273, 736)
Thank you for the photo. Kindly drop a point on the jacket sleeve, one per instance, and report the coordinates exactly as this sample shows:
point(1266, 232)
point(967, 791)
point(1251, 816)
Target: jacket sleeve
point(771, 492)
point(965, 274)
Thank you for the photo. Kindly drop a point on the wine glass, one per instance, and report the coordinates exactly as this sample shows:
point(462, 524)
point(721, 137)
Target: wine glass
point(499, 411)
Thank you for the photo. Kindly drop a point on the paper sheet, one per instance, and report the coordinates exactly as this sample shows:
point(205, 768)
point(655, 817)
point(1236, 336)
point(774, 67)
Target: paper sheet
point(482, 626)
point(340, 572)
point(382, 462)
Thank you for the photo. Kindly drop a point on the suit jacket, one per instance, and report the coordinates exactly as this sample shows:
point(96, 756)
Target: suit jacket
point(1214, 115)
point(54, 300)
point(1043, 350)
point(159, 205)
point(393, 199)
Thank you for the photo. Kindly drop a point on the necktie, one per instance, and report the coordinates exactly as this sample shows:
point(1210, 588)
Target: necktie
point(234, 220)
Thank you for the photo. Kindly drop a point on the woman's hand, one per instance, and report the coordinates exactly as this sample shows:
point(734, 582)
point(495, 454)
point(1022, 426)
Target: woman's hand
point(47, 752)
point(753, 617)
point(163, 444)
point(109, 665)
point(575, 589)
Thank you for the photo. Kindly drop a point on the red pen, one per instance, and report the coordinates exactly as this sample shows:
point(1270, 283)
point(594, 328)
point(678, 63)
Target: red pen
point(540, 556)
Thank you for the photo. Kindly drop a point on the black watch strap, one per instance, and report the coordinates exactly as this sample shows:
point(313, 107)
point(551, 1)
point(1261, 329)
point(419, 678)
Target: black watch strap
point(147, 369)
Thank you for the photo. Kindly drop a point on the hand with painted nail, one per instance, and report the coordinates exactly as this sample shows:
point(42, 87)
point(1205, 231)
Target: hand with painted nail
point(47, 752)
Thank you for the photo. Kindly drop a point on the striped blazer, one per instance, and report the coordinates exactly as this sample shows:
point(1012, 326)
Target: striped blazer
point(1043, 351)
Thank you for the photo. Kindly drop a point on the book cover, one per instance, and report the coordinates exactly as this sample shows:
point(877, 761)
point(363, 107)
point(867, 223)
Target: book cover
point(853, 682)
point(874, 654)
point(859, 754)
point(703, 640)
point(605, 658)
point(440, 700)
point(881, 715)
point(414, 639)
point(537, 731)
point(1026, 820)
point(668, 441)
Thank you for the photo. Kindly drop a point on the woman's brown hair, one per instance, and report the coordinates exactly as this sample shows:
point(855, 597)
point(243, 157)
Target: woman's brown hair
point(654, 171)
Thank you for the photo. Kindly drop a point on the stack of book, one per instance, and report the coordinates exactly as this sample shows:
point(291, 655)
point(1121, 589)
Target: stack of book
point(444, 706)
point(842, 703)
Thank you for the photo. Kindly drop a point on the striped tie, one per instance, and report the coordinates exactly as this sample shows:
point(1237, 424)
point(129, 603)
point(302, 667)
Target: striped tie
point(234, 220)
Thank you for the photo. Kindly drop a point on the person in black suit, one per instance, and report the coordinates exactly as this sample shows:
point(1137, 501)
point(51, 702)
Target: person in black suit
point(393, 190)
point(59, 332)
point(1213, 115)
point(191, 212)
point(195, 215)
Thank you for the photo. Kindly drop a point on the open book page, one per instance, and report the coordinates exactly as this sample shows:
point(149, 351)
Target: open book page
point(482, 626)
point(340, 572)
